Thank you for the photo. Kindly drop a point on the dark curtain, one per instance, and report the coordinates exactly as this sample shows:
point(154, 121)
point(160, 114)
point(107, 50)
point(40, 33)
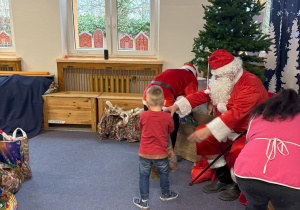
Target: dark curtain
point(283, 62)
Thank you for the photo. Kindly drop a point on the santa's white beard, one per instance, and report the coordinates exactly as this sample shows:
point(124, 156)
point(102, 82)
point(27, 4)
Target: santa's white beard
point(220, 90)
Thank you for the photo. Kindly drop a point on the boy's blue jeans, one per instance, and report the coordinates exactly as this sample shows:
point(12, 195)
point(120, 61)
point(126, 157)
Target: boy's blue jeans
point(145, 166)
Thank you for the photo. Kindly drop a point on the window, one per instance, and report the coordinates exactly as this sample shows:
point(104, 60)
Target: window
point(124, 27)
point(6, 29)
point(264, 17)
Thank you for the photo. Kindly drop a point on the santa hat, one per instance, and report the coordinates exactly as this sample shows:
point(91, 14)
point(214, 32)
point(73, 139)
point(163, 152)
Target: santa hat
point(222, 62)
point(190, 67)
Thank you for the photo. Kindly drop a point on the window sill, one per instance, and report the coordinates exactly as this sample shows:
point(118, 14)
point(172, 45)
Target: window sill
point(110, 60)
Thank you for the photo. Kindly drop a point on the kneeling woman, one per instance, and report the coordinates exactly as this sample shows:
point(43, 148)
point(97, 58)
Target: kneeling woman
point(267, 169)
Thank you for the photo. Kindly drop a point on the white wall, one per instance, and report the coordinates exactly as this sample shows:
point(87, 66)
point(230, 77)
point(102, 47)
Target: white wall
point(38, 33)
point(180, 21)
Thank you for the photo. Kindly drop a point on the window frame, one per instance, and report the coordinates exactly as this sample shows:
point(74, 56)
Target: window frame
point(111, 33)
point(5, 50)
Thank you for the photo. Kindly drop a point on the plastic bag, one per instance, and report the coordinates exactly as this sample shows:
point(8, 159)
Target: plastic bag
point(198, 168)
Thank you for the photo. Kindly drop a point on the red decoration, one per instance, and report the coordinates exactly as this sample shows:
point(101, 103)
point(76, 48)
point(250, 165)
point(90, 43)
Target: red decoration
point(85, 40)
point(126, 42)
point(98, 38)
point(141, 41)
point(4, 38)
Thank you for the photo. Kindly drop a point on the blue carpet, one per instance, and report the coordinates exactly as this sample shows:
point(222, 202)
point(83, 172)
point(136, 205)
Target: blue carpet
point(75, 171)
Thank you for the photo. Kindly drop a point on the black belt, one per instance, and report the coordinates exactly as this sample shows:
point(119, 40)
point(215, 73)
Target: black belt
point(165, 85)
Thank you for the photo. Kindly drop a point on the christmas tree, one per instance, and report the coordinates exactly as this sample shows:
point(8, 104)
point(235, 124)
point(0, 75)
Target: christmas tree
point(230, 26)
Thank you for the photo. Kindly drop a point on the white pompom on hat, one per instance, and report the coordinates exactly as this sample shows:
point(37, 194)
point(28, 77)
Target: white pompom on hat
point(190, 67)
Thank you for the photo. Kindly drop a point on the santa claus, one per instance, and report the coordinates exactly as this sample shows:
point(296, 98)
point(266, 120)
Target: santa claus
point(175, 83)
point(233, 92)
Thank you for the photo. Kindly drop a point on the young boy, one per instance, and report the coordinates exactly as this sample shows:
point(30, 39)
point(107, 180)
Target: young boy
point(155, 125)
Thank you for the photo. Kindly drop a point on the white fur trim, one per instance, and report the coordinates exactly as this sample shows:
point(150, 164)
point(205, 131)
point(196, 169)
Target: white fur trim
point(191, 69)
point(230, 68)
point(233, 175)
point(207, 91)
point(184, 107)
point(179, 97)
point(218, 129)
point(232, 135)
point(144, 102)
point(222, 107)
point(219, 163)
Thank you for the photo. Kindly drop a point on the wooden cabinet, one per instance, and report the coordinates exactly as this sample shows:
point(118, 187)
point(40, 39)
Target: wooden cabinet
point(127, 100)
point(71, 107)
point(10, 63)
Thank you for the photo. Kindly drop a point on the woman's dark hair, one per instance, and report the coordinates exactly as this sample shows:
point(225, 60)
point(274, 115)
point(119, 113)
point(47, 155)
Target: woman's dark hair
point(283, 105)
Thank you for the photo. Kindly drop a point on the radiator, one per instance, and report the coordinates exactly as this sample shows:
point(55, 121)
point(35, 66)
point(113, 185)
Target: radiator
point(6, 68)
point(107, 80)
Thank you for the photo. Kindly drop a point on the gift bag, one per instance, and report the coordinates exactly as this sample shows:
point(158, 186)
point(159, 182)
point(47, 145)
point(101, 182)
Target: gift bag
point(131, 119)
point(9, 204)
point(198, 168)
point(101, 127)
point(108, 121)
point(10, 168)
point(24, 150)
point(120, 131)
point(171, 156)
point(172, 161)
point(119, 124)
point(188, 120)
point(10, 182)
point(112, 122)
point(10, 156)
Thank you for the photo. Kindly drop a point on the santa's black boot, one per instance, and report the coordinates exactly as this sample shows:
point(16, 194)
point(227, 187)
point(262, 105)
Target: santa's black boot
point(231, 193)
point(221, 183)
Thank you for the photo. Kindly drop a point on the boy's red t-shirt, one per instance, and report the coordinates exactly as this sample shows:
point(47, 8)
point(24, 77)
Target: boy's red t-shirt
point(155, 127)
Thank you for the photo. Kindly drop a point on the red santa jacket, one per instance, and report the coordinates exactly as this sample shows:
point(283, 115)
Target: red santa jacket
point(247, 93)
point(181, 81)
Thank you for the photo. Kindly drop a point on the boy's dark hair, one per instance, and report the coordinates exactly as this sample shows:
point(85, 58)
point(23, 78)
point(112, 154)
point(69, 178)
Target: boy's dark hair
point(155, 96)
point(285, 104)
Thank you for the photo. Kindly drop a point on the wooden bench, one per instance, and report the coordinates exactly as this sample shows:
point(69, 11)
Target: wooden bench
point(71, 107)
point(80, 108)
point(127, 100)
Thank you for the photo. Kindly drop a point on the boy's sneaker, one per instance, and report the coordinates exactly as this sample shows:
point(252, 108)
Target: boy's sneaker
point(143, 204)
point(167, 197)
